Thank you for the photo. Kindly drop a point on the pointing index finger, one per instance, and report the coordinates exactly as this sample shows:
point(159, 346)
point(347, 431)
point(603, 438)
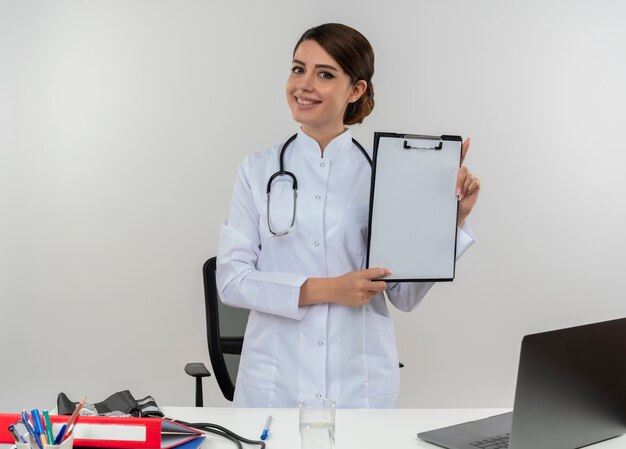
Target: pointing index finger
point(465, 149)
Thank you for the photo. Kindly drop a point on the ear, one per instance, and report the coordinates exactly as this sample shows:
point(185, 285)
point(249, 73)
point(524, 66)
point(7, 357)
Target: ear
point(358, 89)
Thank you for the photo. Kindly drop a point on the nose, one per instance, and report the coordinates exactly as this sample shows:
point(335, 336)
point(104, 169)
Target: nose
point(305, 82)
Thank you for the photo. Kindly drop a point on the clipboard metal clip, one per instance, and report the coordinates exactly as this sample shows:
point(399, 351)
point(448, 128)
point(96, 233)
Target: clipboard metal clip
point(409, 147)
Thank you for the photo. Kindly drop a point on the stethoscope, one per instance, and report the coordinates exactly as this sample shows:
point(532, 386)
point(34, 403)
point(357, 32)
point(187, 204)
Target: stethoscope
point(294, 183)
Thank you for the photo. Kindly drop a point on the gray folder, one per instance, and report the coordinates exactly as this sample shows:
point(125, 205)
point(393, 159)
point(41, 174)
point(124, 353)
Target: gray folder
point(413, 206)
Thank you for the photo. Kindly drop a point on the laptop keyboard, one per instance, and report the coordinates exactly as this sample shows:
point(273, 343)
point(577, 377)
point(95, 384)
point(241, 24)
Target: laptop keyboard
point(498, 442)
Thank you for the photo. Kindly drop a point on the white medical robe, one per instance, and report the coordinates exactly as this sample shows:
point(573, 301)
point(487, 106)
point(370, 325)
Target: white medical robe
point(292, 352)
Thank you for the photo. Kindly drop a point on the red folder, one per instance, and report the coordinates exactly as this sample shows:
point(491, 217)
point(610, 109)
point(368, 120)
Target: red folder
point(118, 433)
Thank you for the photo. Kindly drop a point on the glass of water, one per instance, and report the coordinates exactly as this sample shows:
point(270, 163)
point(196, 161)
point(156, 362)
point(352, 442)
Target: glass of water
point(317, 423)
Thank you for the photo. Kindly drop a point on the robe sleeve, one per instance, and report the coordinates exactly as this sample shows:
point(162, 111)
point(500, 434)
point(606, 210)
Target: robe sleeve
point(239, 283)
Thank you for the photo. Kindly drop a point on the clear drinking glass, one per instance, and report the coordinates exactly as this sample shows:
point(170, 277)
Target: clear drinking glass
point(317, 423)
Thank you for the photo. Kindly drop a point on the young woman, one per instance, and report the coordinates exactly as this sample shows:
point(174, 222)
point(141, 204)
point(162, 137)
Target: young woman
point(319, 324)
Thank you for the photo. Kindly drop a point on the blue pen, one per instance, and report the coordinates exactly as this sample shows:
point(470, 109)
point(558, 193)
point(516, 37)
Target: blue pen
point(30, 429)
point(266, 430)
point(41, 432)
point(59, 437)
point(37, 421)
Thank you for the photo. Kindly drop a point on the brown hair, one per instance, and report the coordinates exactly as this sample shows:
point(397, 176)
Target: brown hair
point(355, 55)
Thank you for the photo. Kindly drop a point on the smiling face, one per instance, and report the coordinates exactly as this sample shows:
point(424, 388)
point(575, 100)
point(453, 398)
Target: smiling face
point(318, 91)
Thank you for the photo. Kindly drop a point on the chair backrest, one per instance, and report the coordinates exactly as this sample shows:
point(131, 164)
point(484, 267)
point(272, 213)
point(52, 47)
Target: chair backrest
point(225, 330)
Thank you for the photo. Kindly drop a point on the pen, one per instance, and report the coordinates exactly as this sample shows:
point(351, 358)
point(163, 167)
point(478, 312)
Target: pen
point(59, 437)
point(38, 425)
point(16, 436)
point(266, 430)
point(36, 421)
point(30, 429)
point(74, 417)
point(46, 417)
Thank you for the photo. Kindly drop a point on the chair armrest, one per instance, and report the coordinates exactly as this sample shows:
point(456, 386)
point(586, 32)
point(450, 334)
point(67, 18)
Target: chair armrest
point(197, 370)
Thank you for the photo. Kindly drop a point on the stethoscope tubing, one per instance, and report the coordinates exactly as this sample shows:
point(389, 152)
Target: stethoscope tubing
point(282, 172)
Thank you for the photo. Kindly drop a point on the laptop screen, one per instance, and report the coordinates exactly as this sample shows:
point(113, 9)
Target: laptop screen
point(571, 387)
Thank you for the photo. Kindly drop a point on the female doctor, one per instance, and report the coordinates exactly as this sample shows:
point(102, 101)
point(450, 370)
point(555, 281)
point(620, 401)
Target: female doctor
point(319, 324)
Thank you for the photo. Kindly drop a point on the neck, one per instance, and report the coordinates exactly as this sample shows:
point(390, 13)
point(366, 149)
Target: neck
point(323, 136)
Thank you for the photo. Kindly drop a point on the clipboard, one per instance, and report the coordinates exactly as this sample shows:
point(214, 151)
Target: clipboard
point(413, 206)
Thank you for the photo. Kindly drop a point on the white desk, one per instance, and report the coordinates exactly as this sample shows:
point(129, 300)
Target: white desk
point(362, 429)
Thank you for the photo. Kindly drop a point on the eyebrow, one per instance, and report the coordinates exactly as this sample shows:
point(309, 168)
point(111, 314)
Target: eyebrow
point(317, 66)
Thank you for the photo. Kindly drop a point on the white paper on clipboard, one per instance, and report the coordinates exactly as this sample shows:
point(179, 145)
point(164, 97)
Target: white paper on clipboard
point(413, 206)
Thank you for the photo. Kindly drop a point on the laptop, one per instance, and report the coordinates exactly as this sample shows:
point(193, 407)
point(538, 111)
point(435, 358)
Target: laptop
point(571, 392)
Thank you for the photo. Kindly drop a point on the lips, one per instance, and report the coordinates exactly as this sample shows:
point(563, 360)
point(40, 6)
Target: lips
point(306, 102)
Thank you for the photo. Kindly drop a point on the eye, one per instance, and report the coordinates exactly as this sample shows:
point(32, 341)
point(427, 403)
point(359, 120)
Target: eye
point(297, 70)
point(326, 75)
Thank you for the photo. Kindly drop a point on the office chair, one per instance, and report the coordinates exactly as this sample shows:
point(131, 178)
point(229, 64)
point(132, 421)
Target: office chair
point(225, 330)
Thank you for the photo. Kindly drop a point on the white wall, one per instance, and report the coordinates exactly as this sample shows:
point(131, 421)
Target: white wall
point(122, 124)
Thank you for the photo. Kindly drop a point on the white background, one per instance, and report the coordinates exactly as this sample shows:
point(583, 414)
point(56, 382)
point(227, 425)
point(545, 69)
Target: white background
point(122, 124)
